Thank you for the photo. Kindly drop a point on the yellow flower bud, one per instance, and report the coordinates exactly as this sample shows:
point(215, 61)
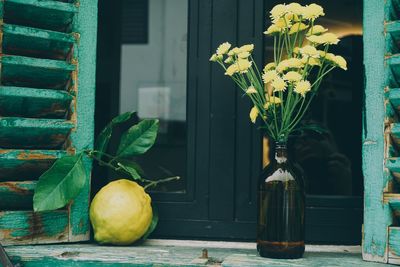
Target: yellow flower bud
point(253, 114)
point(251, 90)
point(232, 69)
point(223, 48)
point(247, 48)
point(297, 27)
point(341, 62)
point(316, 30)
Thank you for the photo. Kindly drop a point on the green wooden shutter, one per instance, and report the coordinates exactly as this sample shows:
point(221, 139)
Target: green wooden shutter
point(381, 135)
point(47, 78)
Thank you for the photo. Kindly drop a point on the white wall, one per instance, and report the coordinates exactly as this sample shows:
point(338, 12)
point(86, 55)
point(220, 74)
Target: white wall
point(160, 64)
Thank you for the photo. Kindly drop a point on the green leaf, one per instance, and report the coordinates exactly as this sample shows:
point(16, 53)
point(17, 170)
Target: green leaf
point(60, 184)
point(153, 224)
point(132, 164)
point(104, 137)
point(132, 171)
point(138, 139)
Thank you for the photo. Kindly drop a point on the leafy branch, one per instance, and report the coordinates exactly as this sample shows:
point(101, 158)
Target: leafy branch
point(63, 182)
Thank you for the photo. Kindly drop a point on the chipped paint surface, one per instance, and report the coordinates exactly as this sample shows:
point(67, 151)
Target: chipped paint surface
point(25, 227)
point(377, 216)
point(149, 254)
point(47, 61)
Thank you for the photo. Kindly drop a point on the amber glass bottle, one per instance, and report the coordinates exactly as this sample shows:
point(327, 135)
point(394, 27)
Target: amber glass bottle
point(281, 204)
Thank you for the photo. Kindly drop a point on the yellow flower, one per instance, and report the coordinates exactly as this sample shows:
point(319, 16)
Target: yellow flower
point(295, 8)
point(251, 90)
point(329, 38)
point(229, 60)
point(214, 58)
point(243, 54)
point(292, 76)
point(223, 48)
point(253, 114)
point(271, 100)
point(274, 100)
point(273, 29)
point(269, 76)
point(315, 39)
point(269, 66)
point(291, 63)
point(321, 53)
point(278, 11)
point(297, 27)
point(330, 57)
point(341, 62)
point(243, 65)
point(316, 30)
point(311, 61)
point(302, 87)
point(279, 84)
point(247, 48)
point(309, 51)
point(232, 69)
point(290, 17)
point(296, 50)
point(234, 51)
point(313, 11)
point(326, 38)
point(327, 57)
point(282, 23)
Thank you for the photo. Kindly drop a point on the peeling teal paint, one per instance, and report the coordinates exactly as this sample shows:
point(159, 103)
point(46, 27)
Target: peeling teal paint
point(377, 215)
point(86, 25)
point(48, 61)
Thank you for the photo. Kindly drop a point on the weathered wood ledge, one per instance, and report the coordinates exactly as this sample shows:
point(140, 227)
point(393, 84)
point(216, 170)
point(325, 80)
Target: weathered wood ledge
point(178, 253)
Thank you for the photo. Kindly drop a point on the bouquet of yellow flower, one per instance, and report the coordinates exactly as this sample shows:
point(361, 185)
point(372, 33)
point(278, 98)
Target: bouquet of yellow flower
point(282, 92)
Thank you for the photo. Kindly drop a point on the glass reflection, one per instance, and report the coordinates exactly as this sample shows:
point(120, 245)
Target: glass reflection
point(153, 82)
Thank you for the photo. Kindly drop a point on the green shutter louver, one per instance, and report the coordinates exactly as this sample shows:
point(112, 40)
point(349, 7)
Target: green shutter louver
point(47, 83)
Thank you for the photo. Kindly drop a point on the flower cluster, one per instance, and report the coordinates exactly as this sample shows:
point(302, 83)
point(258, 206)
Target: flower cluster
point(282, 91)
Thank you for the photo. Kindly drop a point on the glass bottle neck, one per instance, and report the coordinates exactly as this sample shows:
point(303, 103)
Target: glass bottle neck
point(280, 152)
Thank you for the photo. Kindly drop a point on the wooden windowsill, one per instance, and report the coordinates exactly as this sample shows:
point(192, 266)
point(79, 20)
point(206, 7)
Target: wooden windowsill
point(178, 253)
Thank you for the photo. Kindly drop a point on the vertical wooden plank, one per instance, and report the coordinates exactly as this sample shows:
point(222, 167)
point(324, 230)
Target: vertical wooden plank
point(82, 138)
point(247, 143)
point(199, 46)
point(377, 216)
point(222, 116)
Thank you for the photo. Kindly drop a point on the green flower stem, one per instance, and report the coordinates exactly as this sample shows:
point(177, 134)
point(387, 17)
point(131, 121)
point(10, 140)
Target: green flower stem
point(91, 154)
point(287, 105)
point(302, 112)
point(156, 182)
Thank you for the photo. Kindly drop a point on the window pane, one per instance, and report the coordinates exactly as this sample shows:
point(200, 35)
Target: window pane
point(153, 83)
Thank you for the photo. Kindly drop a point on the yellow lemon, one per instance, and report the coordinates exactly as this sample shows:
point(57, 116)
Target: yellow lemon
point(120, 213)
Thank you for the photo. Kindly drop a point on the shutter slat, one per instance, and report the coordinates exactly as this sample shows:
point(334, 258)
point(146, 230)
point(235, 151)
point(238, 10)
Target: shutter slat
point(33, 103)
point(33, 133)
point(28, 227)
point(16, 195)
point(51, 15)
point(27, 41)
point(34, 72)
point(21, 164)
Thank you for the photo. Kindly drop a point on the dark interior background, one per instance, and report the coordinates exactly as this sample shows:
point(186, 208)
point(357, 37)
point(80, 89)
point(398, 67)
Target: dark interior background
point(206, 204)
